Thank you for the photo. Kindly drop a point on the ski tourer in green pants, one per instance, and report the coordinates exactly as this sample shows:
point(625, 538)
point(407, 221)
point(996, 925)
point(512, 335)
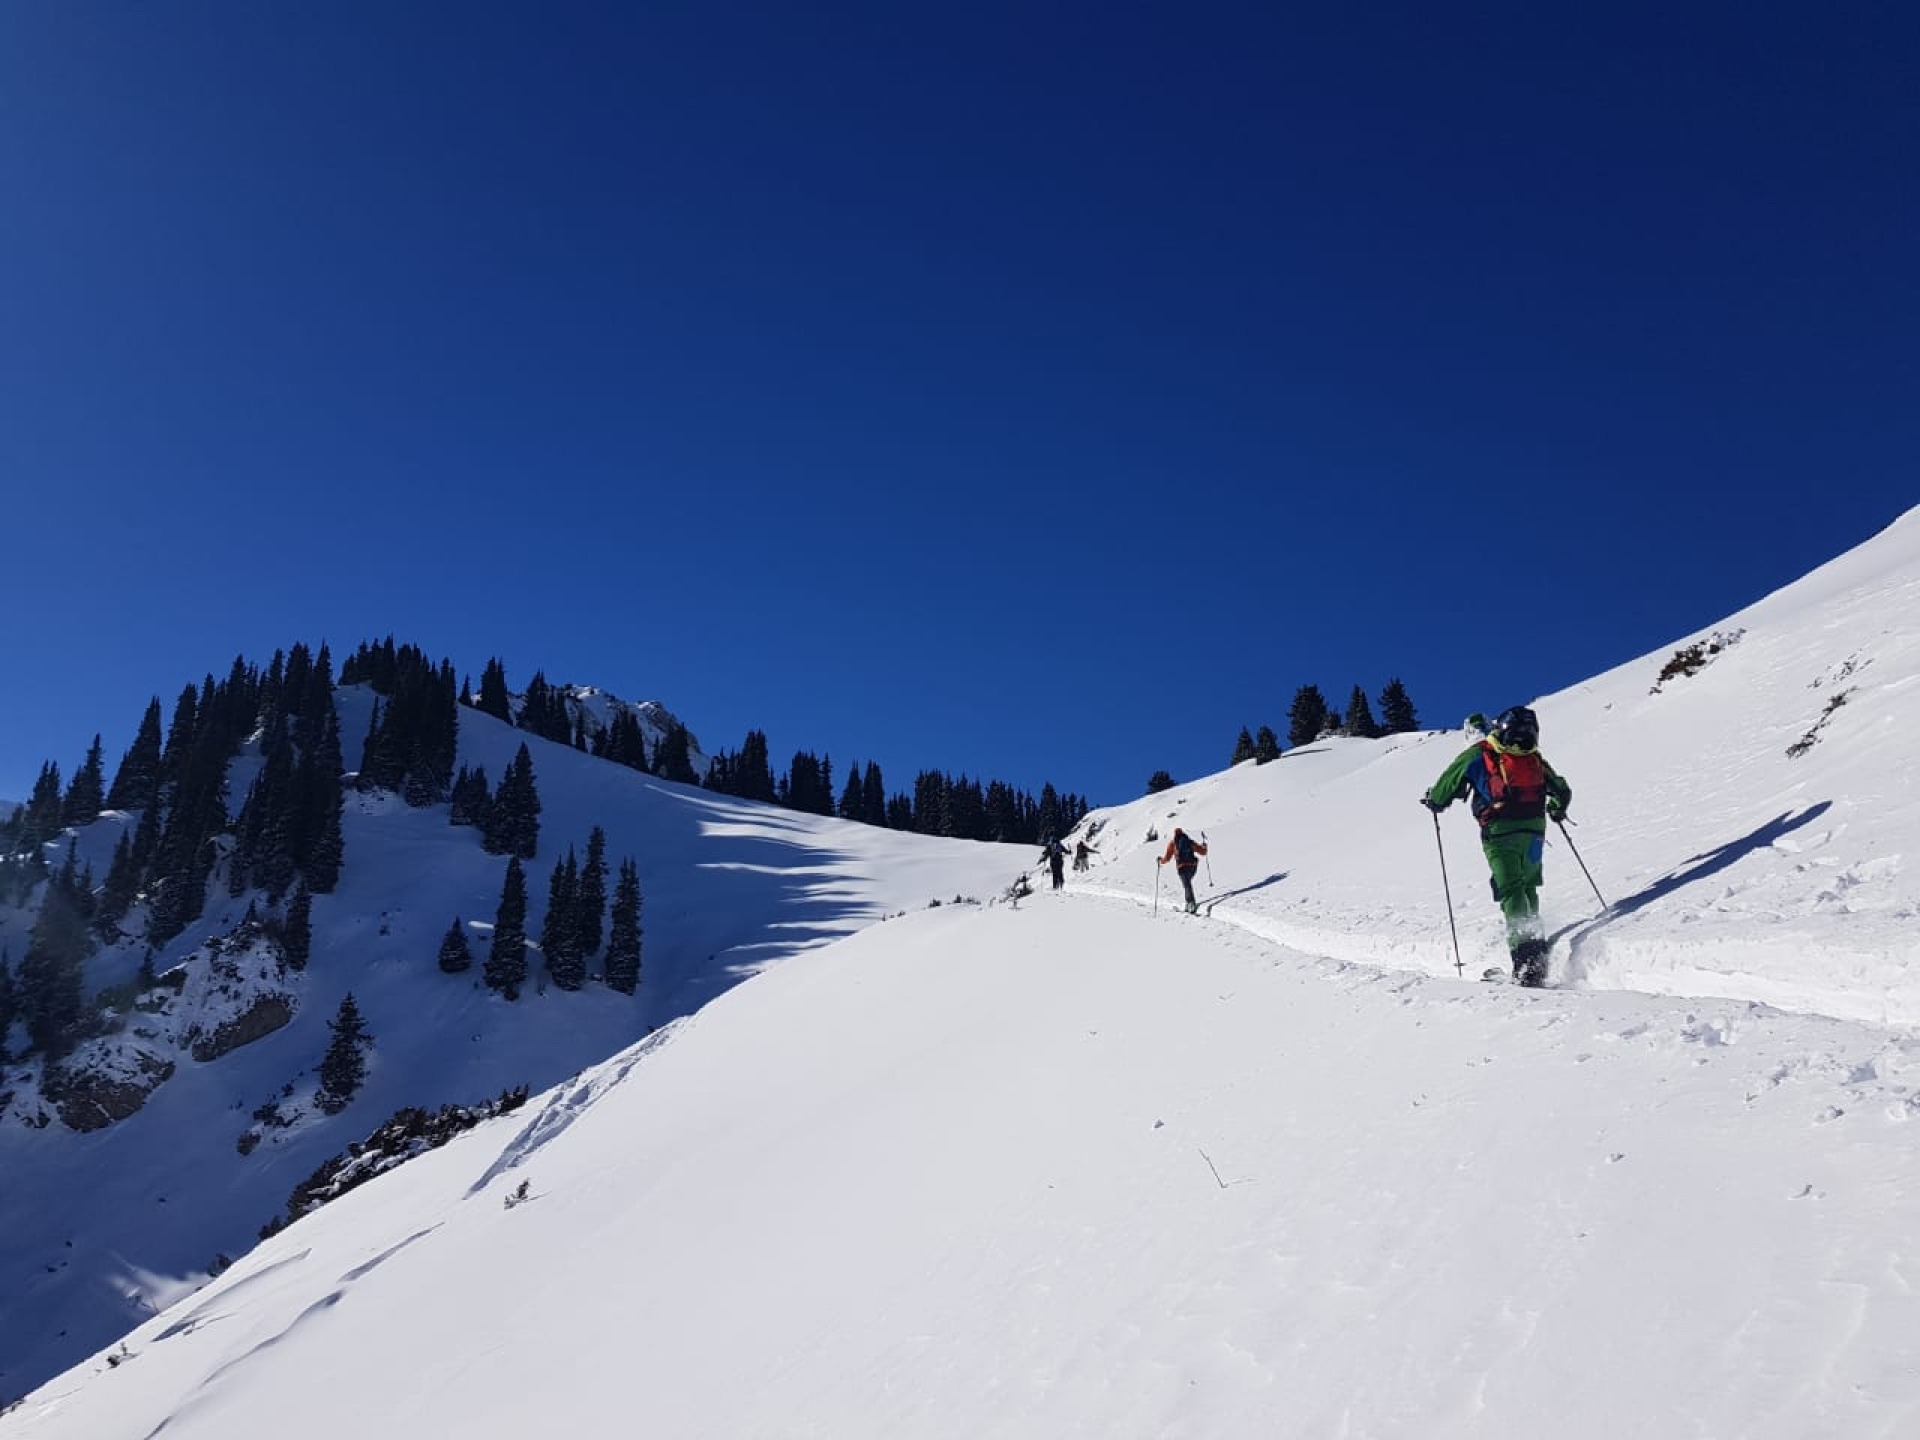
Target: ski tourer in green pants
point(1512, 792)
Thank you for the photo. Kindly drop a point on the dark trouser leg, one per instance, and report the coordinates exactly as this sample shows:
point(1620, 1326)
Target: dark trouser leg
point(1059, 877)
point(1186, 884)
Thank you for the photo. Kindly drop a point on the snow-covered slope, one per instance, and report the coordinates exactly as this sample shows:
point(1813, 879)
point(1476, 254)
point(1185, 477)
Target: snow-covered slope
point(98, 1230)
point(1079, 1167)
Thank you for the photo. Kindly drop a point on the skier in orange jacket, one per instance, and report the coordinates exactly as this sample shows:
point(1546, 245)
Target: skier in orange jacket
point(1185, 852)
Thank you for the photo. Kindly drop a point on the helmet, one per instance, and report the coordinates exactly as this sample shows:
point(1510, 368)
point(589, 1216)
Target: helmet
point(1517, 729)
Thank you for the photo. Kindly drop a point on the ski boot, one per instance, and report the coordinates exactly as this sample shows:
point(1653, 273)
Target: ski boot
point(1530, 963)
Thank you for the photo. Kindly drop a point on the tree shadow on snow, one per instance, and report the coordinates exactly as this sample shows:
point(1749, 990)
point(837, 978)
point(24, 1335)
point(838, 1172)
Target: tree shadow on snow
point(1688, 872)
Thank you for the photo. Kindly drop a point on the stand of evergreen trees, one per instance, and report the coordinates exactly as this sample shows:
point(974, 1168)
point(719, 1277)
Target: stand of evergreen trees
point(571, 933)
point(409, 747)
point(940, 804)
point(287, 833)
point(1310, 717)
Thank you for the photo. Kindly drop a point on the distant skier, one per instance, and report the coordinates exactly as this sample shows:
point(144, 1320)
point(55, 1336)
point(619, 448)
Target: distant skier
point(1513, 792)
point(1055, 854)
point(1185, 852)
point(1081, 851)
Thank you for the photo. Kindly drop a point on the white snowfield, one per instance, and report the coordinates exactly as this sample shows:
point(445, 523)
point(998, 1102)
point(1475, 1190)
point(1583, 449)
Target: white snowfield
point(1081, 1168)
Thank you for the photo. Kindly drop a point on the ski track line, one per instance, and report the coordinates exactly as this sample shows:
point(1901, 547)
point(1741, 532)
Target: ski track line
point(572, 1100)
point(1276, 935)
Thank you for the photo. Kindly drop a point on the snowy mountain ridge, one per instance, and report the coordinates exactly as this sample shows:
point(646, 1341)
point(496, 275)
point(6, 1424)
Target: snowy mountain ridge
point(1085, 1165)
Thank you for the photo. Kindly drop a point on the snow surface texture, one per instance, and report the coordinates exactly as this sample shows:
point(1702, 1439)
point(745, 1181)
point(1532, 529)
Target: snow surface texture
point(1084, 1168)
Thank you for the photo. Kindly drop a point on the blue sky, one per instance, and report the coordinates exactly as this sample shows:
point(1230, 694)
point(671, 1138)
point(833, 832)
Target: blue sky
point(1041, 392)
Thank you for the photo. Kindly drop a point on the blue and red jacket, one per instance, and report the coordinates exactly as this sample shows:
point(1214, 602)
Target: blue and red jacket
point(1509, 791)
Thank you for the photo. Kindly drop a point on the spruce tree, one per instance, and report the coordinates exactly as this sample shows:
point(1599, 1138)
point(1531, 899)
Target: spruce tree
point(472, 799)
point(1243, 747)
point(52, 997)
point(493, 699)
point(1266, 745)
point(455, 954)
point(512, 825)
point(1307, 717)
point(506, 967)
point(136, 783)
point(1359, 719)
point(41, 820)
point(297, 941)
point(591, 899)
point(1158, 781)
point(623, 933)
point(85, 796)
point(673, 757)
point(320, 847)
point(9, 1002)
point(559, 932)
point(1396, 710)
point(344, 1068)
point(119, 892)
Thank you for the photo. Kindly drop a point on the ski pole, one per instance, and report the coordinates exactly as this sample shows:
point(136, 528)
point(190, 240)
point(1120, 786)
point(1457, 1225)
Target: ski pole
point(1577, 860)
point(1158, 866)
point(1447, 890)
point(1209, 860)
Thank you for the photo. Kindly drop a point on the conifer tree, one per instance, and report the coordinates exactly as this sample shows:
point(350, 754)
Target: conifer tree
point(673, 757)
point(297, 941)
point(471, 797)
point(1158, 781)
point(623, 933)
point(9, 1002)
point(52, 999)
point(1359, 718)
point(85, 796)
point(1266, 745)
point(41, 820)
point(146, 839)
point(506, 967)
point(1396, 710)
point(591, 899)
point(1243, 747)
point(1307, 717)
point(455, 954)
point(512, 825)
point(136, 783)
point(852, 799)
point(344, 1068)
point(559, 932)
point(493, 698)
point(1002, 821)
point(873, 796)
point(180, 735)
point(119, 892)
point(320, 847)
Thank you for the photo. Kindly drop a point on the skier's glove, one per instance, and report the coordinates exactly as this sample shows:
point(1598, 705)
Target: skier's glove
point(1432, 804)
point(1557, 814)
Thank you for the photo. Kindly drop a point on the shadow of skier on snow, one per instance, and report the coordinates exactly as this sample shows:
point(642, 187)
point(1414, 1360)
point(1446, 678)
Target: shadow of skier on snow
point(1273, 879)
point(1699, 867)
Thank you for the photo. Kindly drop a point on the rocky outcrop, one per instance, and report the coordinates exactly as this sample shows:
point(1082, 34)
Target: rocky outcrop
point(91, 1098)
point(265, 1015)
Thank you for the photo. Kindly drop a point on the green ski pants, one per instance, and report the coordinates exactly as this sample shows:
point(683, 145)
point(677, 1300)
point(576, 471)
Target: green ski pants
point(1514, 859)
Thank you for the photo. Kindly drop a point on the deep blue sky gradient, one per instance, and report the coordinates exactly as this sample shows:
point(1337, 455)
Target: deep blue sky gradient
point(1040, 391)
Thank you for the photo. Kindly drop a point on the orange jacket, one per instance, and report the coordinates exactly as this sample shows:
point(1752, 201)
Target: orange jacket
point(1173, 849)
